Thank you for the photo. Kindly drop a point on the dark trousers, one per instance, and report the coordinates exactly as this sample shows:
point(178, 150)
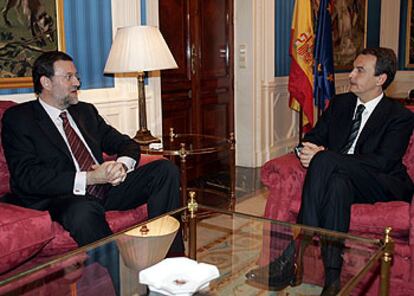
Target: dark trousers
point(156, 183)
point(332, 184)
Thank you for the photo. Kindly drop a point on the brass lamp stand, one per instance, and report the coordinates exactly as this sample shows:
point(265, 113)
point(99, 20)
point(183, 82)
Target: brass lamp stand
point(143, 135)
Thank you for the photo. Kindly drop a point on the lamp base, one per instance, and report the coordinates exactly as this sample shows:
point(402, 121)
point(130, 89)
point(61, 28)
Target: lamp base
point(144, 137)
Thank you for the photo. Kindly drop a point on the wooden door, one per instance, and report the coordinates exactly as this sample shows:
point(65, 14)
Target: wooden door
point(177, 84)
point(198, 96)
point(215, 113)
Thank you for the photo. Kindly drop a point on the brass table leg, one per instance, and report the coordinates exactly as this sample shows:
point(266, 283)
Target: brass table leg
point(386, 263)
point(183, 183)
point(192, 242)
point(183, 174)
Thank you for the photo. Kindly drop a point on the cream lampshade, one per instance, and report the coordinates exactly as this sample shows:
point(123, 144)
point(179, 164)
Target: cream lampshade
point(137, 49)
point(149, 243)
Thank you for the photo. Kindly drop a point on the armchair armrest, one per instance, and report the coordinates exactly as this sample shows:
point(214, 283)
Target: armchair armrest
point(411, 233)
point(147, 158)
point(144, 159)
point(284, 178)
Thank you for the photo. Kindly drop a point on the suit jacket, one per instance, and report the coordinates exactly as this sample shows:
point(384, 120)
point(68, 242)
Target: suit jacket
point(381, 144)
point(40, 164)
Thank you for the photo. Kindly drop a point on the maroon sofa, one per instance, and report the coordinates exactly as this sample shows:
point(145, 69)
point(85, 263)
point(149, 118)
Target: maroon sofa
point(27, 235)
point(284, 178)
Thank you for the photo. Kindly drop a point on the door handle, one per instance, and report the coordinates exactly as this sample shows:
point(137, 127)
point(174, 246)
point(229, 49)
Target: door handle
point(193, 59)
point(224, 53)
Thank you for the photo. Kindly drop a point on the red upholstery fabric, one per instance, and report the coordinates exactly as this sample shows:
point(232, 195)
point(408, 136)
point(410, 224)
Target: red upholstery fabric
point(284, 178)
point(24, 233)
point(148, 158)
point(4, 171)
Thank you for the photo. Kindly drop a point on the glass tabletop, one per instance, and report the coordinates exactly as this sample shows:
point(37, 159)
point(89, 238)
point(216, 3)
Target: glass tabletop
point(191, 143)
point(236, 243)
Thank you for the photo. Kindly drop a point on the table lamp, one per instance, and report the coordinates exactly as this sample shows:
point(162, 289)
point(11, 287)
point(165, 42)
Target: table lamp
point(137, 49)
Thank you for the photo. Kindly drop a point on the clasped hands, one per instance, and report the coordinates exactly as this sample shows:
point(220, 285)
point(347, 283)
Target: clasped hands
point(109, 172)
point(308, 152)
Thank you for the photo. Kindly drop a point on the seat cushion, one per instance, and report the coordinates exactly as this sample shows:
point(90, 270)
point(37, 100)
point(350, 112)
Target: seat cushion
point(118, 220)
point(373, 218)
point(24, 232)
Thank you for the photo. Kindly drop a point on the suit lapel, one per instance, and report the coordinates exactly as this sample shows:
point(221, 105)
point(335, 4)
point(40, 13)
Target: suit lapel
point(49, 129)
point(375, 121)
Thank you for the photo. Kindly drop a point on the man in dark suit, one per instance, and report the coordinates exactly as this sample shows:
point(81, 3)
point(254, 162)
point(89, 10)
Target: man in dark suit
point(353, 155)
point(54, 146)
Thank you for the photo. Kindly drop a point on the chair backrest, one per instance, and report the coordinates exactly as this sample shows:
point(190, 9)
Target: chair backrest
point(408, 159)
point(4, 170)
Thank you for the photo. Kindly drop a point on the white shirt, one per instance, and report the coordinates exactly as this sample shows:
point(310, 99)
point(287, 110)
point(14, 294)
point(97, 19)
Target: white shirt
point(79, 186)
point(369, 108)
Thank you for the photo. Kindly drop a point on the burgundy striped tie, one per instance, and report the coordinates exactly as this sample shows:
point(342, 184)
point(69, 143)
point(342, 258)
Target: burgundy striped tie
point(82, 155)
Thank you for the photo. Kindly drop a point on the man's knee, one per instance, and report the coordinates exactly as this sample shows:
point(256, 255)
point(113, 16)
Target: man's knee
point(82, 213)
point(85, 221)
point(168, 169)
point(322, 158)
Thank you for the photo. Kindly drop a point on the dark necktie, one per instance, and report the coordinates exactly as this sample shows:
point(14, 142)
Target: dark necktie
point(82, 155)
point(356, 123)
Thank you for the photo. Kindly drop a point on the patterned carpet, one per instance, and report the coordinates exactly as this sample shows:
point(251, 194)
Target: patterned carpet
point(235, 253)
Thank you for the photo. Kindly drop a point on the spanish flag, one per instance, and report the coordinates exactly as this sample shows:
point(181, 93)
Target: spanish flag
point(301, 68)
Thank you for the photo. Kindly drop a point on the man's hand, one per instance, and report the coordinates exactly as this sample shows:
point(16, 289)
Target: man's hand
point(111, 172)
point(308, 152)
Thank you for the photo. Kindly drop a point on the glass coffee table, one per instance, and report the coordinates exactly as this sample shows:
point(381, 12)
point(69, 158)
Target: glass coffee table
point(234, 242)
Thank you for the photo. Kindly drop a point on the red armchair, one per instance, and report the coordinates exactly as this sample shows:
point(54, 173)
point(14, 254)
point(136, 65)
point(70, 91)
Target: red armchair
point(284, 177)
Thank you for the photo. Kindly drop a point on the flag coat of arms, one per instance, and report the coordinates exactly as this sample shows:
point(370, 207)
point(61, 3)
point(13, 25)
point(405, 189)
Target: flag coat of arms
point(302, 62)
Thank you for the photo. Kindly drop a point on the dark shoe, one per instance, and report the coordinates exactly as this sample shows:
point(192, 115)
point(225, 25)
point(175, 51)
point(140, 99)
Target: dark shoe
point(277, 275)
point(332, 289)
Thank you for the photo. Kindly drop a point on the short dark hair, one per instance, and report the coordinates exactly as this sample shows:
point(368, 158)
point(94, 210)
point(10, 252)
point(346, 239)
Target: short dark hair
point(43, 66)
point(386, 63)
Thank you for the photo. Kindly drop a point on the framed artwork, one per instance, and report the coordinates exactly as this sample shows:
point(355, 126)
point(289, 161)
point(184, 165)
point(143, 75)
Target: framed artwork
point(27, 28)
point(409, 49)
point(349, 27)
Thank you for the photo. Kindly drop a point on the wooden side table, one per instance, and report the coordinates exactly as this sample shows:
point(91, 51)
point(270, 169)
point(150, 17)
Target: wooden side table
point(183, 145)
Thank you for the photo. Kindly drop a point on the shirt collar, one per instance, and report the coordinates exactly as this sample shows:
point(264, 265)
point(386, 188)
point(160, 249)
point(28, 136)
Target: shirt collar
point(370, 106)
point(53, 112)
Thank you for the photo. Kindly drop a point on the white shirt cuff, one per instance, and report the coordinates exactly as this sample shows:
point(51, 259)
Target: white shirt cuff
point(128, 161)
point(79, 187)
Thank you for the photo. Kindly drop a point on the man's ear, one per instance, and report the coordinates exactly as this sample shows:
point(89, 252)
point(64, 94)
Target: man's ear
point(381, 79)
point(46, 82)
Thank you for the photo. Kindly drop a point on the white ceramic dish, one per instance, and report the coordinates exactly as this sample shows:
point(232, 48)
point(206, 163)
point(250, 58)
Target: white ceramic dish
point(178, 276)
